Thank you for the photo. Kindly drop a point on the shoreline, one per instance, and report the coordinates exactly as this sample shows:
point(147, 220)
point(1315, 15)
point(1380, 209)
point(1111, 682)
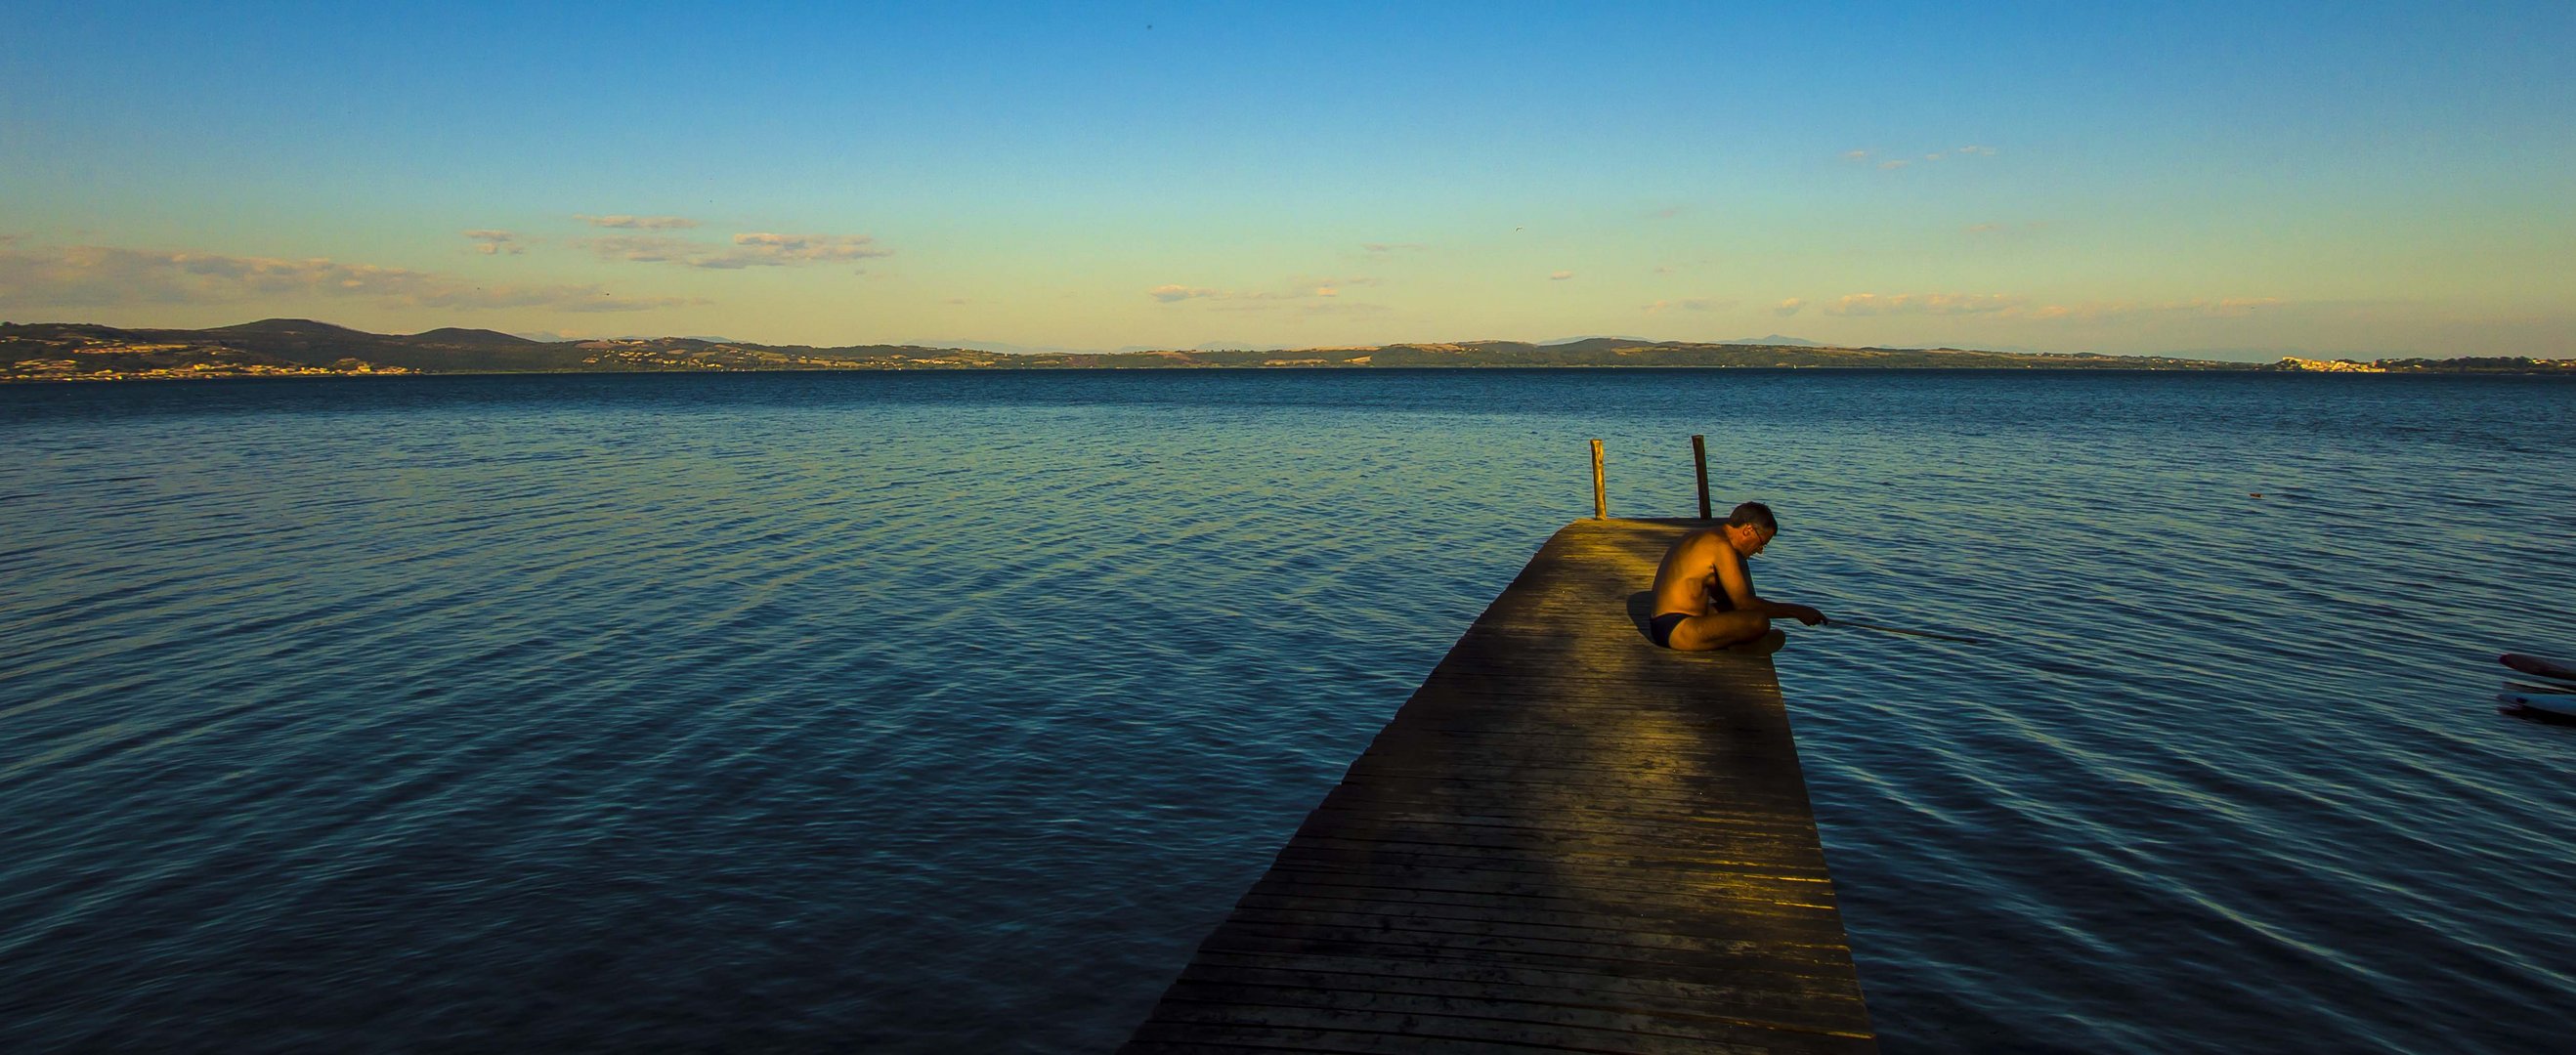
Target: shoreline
point(36, 352)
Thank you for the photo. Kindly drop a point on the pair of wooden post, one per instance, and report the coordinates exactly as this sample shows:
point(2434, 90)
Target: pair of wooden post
point(1601, 483)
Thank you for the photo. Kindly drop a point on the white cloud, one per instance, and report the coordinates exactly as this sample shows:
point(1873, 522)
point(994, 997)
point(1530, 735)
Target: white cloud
point(2008, 306)
point(1320, 307)
point(1863, 157)
point(1667, 212)
point(1559, 276)
point(106, 275)
point(1922, 304)
point(2218, 308)
point(643, 223)
point(644, 249)
point(776, 250)
point(1301, 289)
point(1789, 307)
point(759, 249)
point(1687, 304)
point(2000, 229)
point(495, 242)
point(1382, 248)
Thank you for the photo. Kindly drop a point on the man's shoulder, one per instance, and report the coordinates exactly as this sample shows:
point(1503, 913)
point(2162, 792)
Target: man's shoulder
point(1701, 540)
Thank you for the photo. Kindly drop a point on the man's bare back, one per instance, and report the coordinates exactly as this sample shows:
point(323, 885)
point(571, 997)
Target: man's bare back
point(1704, 595)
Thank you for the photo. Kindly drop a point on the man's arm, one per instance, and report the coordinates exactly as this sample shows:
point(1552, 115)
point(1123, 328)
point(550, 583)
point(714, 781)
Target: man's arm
point(1738, 586)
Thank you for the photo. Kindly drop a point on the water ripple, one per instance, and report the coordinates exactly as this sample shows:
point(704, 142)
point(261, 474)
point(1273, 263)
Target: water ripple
point(931, 713)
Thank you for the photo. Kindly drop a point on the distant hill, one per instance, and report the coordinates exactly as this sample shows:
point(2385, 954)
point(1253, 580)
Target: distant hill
point(38, 351)
point(453, 335)
point(1594, 337)
point(288, 328)
point(1778, 341)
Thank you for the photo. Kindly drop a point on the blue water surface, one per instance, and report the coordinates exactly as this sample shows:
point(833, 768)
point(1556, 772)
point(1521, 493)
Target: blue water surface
point(946, 712)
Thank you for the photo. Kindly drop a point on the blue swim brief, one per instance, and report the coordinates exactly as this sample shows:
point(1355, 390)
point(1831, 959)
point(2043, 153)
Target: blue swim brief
point(1662, 628)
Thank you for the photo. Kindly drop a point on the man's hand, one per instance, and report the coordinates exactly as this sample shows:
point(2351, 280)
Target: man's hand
point(1804, 614)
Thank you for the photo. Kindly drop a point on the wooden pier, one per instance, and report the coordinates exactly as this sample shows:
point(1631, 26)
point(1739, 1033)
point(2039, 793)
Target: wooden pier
point(1568, 839)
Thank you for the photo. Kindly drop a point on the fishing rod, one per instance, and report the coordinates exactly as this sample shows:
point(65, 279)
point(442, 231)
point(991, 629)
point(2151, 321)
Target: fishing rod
point(1901, 630)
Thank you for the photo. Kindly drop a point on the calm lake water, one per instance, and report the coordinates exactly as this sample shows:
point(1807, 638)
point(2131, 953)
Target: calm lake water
point(941, 712)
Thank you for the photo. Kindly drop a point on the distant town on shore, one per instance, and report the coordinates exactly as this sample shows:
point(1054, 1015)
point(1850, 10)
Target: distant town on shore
point(301, 348)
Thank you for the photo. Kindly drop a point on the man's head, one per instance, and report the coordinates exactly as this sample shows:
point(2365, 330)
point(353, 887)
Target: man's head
point(1750, 527)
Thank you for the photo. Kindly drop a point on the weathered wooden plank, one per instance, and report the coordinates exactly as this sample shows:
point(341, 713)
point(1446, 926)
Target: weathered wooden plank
point(1410, 940)
point(1754, 1006)
point(1689, 879)
point(1809, 929)
point(1824, 1005)
point(1396, 1031)
point(1474, 1015)
point(1473, 889)
point(1327, 920)
point(1566, 840)
point(1544, 844)
point(1741, 893)
point(1705, 836)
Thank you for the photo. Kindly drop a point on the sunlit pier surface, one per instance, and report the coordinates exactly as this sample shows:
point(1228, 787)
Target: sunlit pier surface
point(1567, 839)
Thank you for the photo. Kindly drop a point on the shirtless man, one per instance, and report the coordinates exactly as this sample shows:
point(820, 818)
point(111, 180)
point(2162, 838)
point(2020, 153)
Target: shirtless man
point(1704, 594)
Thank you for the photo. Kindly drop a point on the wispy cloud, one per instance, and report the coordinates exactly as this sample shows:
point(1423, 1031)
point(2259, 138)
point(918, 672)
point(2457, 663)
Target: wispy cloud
point(496, 242)
point(1687, 304)
point(1300, 289)
point(1171, 293)
point(2217, 308)
point(1667, 212)
point(1382, 248)
point(1922, 304)
point(779, 250)
point(1559, 276)
point(758, 249)
point(1313, 307)
point(639, 223)
point(1789, 307)
point(2010, 306)
point(1863, 157)
point(87, 276)
point(1996, 229)
point(642, 249)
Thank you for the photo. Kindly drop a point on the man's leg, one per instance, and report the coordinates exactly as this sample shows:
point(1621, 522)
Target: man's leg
point(1701, 633)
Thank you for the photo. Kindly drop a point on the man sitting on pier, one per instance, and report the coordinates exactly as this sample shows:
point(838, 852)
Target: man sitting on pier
point(1704, 593)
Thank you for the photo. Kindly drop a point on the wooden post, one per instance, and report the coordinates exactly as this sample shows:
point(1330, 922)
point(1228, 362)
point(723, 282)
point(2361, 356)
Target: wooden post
point(1699, 457)
point(1600, 487)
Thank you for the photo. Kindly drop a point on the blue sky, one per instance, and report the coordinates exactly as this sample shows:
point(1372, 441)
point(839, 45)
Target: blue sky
point(2240, 179)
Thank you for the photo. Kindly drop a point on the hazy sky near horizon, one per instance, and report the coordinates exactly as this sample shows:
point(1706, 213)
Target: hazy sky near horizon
point(2245, 178)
